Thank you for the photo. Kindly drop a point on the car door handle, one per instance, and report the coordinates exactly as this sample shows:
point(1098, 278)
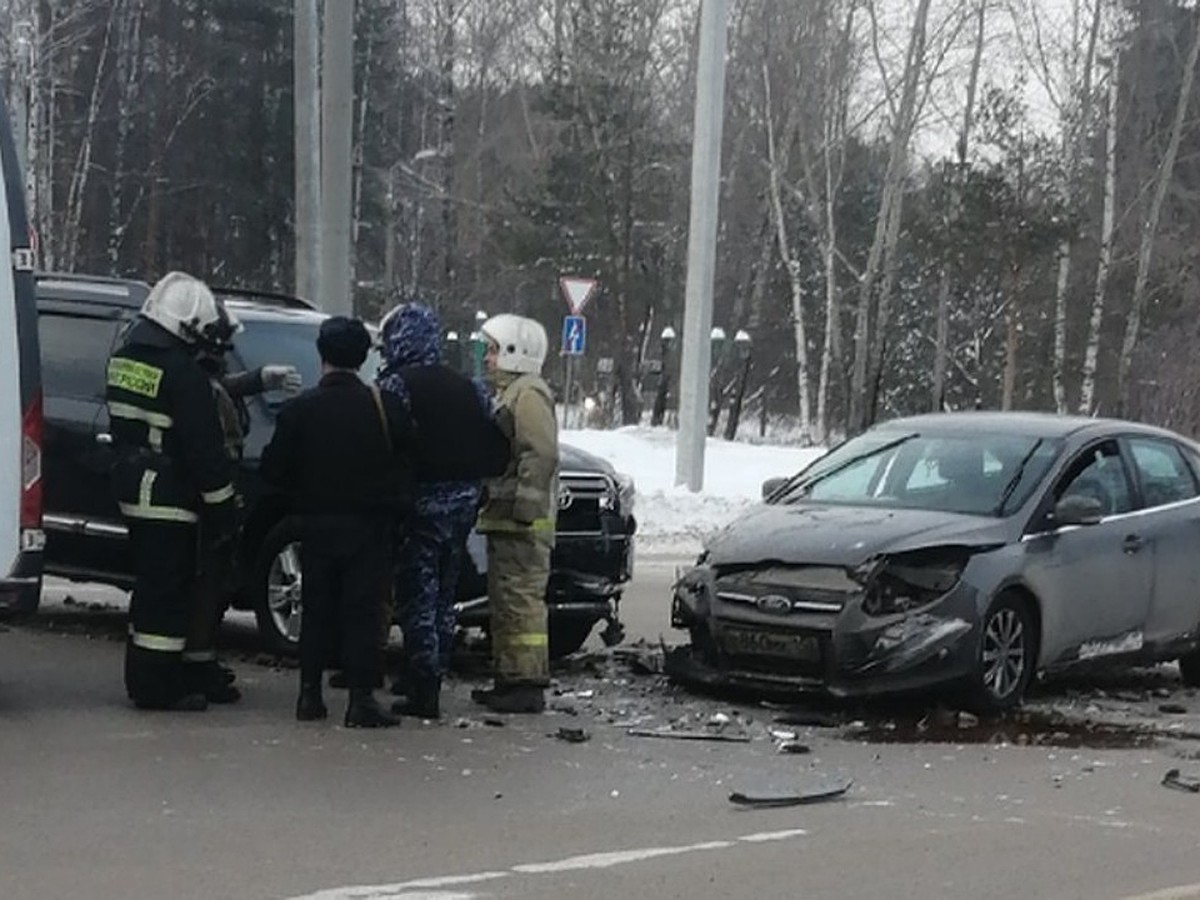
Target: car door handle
point(1132, 543)
point(104, 438)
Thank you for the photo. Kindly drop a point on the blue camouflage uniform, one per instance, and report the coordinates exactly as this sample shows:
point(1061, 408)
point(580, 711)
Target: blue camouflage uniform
point(444, 511)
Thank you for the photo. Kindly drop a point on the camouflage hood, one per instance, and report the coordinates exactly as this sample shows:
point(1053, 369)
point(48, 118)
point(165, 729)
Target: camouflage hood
point(412, 336)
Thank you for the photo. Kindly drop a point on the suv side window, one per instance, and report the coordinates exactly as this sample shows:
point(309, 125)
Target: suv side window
point(1162, 471)
point(75, 352)
point(1099, 473)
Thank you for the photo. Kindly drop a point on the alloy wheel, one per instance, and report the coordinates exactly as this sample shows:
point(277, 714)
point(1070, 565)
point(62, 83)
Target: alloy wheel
point(1005, 652)
point(284, 592)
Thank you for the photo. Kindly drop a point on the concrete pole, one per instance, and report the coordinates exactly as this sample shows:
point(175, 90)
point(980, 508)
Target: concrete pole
point(702, 246)
point(337, 108)
point(307, 111)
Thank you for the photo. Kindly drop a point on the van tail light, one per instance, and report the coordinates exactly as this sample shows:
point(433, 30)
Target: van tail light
point(31, 465)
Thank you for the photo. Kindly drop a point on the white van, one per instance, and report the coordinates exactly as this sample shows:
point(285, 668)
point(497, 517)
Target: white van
point(21, 535)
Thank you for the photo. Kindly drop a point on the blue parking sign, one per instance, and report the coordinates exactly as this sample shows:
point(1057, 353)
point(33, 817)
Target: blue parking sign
point(574, 335)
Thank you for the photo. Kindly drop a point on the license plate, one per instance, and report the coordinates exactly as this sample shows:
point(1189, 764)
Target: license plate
point(739, 642)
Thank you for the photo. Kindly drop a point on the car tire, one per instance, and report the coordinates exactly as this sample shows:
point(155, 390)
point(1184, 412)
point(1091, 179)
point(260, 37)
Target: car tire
point(278, 588)
point(1189, 668)
point(568, 636)
point(1006, 656)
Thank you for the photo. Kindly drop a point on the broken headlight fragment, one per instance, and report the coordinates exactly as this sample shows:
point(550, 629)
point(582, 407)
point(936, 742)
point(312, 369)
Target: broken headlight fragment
point(908, 581)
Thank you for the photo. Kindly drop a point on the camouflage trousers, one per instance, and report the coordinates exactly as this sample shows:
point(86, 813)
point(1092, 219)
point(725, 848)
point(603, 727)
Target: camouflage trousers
point(426, 581)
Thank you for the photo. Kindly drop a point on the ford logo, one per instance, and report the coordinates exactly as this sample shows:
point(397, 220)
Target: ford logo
point(773, 603)
point(565, 497)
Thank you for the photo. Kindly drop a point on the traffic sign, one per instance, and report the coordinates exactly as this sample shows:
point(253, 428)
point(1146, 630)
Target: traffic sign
point(577, 292)
point(574, 335)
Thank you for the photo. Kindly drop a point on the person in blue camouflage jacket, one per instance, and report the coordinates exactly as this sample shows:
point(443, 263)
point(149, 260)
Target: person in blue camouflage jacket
point(459, 444)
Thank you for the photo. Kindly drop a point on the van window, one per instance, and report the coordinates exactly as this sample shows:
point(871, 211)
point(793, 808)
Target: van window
point(75, 352)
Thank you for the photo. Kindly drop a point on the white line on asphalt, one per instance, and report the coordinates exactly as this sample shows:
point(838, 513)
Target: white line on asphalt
point(1183, 892)
point(764, 836)
point(419, 889)
point(618, 858)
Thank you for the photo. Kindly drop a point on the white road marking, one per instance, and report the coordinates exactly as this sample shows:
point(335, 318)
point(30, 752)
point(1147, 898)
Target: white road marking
point(764, 836)
point(427, 888)
point(617, 858)
point(1183, 892)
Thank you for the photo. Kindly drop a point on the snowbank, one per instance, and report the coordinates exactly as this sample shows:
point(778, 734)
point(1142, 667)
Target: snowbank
point(673, 520)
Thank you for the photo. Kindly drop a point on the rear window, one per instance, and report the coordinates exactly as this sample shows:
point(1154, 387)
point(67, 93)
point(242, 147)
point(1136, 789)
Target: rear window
point(75, 352)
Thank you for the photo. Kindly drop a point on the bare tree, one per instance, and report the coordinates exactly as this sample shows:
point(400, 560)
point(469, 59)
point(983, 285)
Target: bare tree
point(887, 225)
point(1087, 391)
point(941, 346)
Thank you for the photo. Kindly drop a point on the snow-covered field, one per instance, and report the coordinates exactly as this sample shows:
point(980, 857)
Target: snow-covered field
point(673, 520)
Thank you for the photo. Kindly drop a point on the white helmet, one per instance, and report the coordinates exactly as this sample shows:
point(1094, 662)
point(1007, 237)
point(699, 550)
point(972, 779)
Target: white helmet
point(184, 306)
point(522, 342)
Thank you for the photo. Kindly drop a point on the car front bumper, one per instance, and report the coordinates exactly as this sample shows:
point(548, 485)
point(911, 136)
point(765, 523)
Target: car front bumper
point(844, 653)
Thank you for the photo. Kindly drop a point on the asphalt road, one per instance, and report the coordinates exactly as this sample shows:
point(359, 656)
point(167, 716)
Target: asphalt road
point(100, 801)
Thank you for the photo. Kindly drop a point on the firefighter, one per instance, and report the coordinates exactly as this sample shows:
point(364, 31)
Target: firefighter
point(171, 475)
point(215, 571)
point(518, 516)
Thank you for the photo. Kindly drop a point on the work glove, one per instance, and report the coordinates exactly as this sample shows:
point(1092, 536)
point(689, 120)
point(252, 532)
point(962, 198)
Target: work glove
point(281, 378)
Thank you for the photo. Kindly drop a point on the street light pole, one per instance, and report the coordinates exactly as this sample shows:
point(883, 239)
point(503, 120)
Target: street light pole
point(702, 245)
point(307, 142)
point(337, 101)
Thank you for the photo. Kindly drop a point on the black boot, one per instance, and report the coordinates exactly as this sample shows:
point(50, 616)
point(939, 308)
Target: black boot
point(208, 678)
point(364, 711)
point(422, 700)
point(515, 698)
point(311, 705)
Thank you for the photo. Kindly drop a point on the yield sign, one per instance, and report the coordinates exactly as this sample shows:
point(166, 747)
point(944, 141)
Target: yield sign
point(577, 291)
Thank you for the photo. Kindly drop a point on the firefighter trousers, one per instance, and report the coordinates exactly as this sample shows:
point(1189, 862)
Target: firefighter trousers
point(164, 559)
point(518, 571)
point(212, 591)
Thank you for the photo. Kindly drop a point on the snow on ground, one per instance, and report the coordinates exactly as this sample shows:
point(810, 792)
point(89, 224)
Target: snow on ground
point(673, 520)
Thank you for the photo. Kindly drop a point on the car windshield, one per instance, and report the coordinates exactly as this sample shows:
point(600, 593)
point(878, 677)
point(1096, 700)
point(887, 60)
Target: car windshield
point(287, 341)
point(975, 474)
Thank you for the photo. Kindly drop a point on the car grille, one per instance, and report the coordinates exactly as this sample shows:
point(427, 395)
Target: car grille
point(582, 497)
point(785, 602)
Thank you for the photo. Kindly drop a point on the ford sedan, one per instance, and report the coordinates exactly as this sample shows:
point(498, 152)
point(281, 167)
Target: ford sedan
point(973, 551)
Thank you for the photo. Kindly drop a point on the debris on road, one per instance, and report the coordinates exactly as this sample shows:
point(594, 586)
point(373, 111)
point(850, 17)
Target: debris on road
point(771, 799)
point(1173, 779)
point(805, 717)
point(684, 734)
point(573, 735)
point(794, 747)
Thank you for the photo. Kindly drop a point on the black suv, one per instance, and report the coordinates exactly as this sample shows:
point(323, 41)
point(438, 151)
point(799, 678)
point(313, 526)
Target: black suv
point(80, 320)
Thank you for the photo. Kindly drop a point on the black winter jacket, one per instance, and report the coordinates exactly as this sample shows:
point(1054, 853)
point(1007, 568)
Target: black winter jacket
point(330, 452)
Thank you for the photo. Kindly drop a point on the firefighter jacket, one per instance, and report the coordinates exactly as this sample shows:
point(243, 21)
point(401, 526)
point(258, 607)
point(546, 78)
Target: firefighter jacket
point(525, 497)
point(171, 461)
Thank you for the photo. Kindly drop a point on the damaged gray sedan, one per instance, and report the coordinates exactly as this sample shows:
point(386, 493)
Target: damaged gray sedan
point(967, 550)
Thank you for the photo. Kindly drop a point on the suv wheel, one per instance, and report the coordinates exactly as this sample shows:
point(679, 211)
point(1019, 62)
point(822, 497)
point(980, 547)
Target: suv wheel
point(278, 588)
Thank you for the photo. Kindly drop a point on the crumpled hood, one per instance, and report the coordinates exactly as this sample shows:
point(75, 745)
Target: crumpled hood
point(811, 533)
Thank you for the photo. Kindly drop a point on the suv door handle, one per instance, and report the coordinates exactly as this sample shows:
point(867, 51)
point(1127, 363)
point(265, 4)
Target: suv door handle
point(1132, 543)
point(103, 438)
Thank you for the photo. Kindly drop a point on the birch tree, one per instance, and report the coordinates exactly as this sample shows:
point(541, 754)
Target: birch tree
point(1087, 391)
point(942, 327)
point(887, 225)
point(1149, 229)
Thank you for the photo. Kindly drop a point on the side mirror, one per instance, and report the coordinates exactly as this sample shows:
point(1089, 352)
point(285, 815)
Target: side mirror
point(1077, 509)
point(771, 485)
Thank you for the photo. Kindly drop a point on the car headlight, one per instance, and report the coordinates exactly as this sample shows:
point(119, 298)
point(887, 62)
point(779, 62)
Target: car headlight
point(909, 581)
point(625, 493)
